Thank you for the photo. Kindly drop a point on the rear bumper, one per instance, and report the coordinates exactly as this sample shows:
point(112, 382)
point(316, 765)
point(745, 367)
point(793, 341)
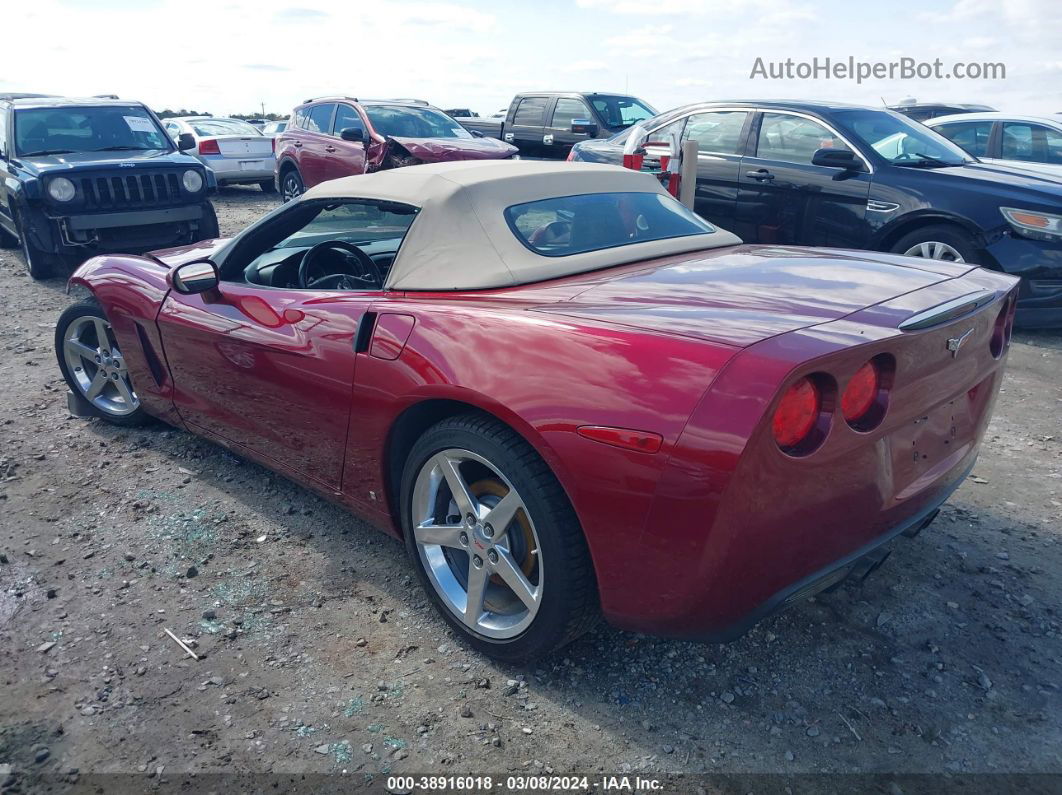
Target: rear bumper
point(861, 562)
point(231, 170)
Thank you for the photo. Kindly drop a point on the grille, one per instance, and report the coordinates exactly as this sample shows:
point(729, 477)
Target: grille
point(131, 191)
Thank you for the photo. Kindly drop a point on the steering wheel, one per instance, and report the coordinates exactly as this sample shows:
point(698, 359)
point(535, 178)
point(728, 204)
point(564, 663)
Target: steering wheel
point(340, 281)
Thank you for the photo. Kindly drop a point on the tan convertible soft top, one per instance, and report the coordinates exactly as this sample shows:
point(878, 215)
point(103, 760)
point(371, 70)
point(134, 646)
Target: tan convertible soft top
point(461, 240)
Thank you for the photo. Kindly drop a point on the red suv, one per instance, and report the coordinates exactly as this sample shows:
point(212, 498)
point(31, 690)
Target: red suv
point(333, 137)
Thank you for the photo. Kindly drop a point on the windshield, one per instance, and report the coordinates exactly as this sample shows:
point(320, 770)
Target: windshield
point(901, 141)
point(66, 130)
point(618, 111)
point(593, 221)
point(354, 222)
point(208, 128)
point(406, 122)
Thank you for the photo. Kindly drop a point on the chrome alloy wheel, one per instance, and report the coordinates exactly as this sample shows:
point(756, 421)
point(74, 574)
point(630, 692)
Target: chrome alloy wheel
point(98, 367)
point(478, 544)
point(934, 249)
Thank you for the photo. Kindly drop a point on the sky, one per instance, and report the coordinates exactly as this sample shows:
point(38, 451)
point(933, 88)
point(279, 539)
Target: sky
point(233, 56)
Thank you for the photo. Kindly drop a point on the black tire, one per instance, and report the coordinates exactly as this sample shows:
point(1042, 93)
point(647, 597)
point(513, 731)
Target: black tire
point(951, 237)
point(38, 263)
point(291, 186)
point(89, 309)
point(7, 240)
point(268, 186)
point(208, 227)
point(569, 604)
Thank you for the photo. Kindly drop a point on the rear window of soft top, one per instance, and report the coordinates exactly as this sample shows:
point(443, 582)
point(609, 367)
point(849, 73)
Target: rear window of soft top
point(565, 225)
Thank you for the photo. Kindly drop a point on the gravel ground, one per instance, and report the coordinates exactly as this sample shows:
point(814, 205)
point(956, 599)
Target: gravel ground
point(321, 655)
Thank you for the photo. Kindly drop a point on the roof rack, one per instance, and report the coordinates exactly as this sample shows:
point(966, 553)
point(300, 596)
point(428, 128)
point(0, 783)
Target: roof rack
point(105, 96)
point(10, 97)
point(330, 96)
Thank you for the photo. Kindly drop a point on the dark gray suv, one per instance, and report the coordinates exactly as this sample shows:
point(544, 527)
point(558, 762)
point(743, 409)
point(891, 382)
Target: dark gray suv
point(80, 177)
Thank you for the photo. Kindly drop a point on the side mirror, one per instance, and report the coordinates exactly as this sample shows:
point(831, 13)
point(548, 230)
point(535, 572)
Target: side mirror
point(477, 134)
point(837, 158)
point(354, 134)
point(584, 127)
point(194, 277)
point(185, 141)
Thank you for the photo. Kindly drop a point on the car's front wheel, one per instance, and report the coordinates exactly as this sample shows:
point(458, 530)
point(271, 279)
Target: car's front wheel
point(495, 541)
point(291, 186)
point(94, 366)
point(940, 241)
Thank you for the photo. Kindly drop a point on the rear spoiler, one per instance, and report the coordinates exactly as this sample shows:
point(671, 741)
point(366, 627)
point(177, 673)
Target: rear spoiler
point(949, 310)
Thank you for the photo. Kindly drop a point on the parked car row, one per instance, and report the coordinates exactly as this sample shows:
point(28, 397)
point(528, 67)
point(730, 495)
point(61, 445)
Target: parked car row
point(986, 191)
point(837, 175)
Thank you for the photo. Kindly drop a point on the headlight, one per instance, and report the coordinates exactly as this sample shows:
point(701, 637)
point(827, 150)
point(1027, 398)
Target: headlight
point(193, 181)
point(1037, 225)
point(61, 189)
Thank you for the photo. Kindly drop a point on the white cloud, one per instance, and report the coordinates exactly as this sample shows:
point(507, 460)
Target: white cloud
point(478, 53)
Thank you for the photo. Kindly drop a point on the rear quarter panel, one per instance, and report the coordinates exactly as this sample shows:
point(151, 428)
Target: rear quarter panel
point(735, 520)
point(545, 378)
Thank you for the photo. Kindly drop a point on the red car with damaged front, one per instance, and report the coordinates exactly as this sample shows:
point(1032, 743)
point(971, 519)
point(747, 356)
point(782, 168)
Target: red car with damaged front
point(333, 137)
point(566, 393)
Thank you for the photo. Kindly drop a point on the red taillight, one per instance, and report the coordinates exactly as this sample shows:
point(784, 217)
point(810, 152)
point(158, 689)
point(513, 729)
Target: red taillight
point(1003, 328)
point(274, 143)
point(796, 413)
point(208, 146)
point(860, 393)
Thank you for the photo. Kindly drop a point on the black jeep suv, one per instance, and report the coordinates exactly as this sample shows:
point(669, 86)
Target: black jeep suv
point(86, 176)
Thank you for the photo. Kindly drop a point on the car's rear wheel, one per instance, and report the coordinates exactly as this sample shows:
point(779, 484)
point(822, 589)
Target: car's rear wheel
point(495, 541)
point(94, 367)
point(291, 186)
point(268, 186)
point(38, 263)
point(940, 242)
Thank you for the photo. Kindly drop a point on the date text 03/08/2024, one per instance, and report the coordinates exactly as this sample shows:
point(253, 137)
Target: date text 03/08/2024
point(535, 783)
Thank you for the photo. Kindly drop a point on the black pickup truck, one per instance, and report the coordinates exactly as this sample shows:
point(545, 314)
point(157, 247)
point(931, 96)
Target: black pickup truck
point(80, 177)
point(548, 123)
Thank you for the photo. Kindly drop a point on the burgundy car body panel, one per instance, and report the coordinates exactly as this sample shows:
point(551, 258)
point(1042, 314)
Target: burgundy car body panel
point(438, 150)
point(740, 295)
point(691, 540)
point(269, 370)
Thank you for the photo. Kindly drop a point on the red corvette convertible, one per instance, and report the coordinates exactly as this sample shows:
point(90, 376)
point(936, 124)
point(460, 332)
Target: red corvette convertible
point(568, 394)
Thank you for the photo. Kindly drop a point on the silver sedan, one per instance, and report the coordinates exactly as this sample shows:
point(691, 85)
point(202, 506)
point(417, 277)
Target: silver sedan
point(234, 150)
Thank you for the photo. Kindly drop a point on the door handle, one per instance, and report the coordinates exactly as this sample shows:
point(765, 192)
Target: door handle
point(760, 175)
point(330, 148)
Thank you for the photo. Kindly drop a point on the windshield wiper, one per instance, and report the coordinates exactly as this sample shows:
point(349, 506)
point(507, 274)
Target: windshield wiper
point(925, 161)
point(125, 149)
point(47, 152)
